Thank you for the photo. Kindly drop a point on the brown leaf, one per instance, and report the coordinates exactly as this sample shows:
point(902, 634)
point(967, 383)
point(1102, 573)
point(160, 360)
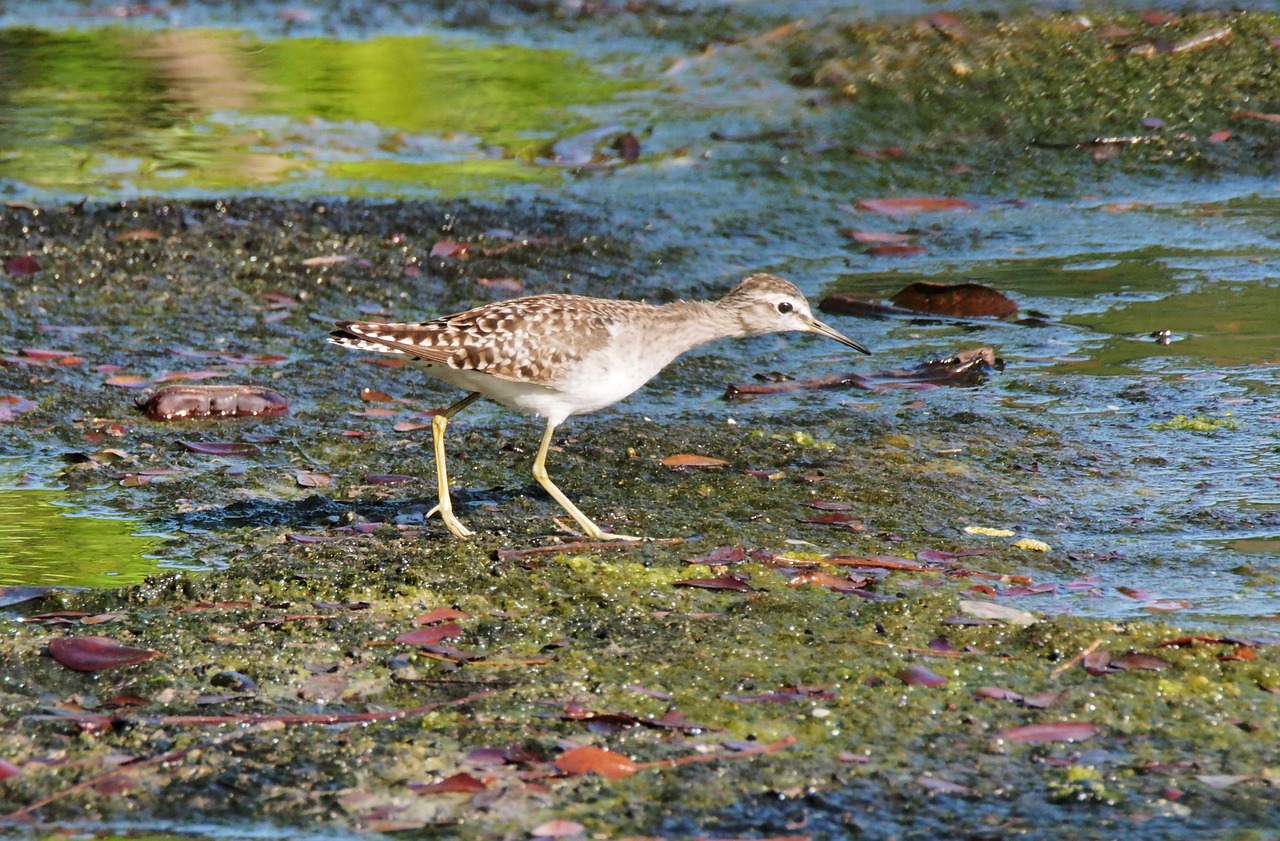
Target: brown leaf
point(372, 395)
point(964, 300)
point(913, 204)
point(313, 479)
point(409, 426)
point(440, 614)
point(386, 478)
point(724, 582)
point(720, 555)
point(1051, 731)
point(432, 635)
point(1138, 660)
point(918, 675)
point(1256, 115)
point(220, 448)
point(685, 460)
point(128, 381)
point(456, 784)
point(996, 693)
point(91, 654)
point(594, 760)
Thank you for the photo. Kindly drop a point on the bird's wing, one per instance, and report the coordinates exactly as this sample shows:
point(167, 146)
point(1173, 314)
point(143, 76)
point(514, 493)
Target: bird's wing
point(528, 340)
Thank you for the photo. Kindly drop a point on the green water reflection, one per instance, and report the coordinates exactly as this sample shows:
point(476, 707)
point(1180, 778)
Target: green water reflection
point(122, 110)
point(44, 544)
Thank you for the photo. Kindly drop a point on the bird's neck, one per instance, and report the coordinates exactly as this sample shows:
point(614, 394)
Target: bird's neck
point(684, 325)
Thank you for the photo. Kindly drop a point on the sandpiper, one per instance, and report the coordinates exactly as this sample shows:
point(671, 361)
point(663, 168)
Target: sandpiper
point(561, 355)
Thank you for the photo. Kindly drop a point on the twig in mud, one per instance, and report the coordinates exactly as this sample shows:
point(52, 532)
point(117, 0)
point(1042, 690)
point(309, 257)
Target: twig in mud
point(1083, 653)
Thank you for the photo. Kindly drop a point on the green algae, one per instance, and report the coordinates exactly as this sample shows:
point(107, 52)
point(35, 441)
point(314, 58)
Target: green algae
point(1199, 423)
point(988, 102)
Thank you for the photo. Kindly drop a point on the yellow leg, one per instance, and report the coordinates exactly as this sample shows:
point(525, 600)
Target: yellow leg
point(540, 473)
point(445, 505)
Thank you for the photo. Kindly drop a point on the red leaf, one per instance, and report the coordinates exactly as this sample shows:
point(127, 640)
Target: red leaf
point(914, 204)
point(91, 654)
point(219, 448)
point(451, 248)
point(457, 784)
point(1050, 731)
point(1221, 136)
point(920, 676)
point(440, 614)
point(996, 693)
point(724, 582)
point(386, 478)
point(22, 266)
point(877, 237)
point(8, 769)
point(372, 395)
point(594, 760)
point(431, 636)
point(895, 249)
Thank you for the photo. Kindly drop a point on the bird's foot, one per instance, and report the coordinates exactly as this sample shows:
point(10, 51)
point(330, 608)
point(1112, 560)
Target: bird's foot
point(452, 523)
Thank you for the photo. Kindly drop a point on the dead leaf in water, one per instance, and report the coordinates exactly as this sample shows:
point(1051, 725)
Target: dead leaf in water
point(22, 266)
point(914, 204)
point(1052, 731)
point(593, 760)
point(220, 448)
point(921, 676)
point(724, 582)
point(313, 479)
point(92, 654)
point(686, 460)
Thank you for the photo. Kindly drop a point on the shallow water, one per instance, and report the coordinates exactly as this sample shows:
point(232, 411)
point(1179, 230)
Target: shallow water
point(117, 111)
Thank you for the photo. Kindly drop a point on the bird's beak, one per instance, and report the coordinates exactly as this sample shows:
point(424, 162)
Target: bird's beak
point(816, 326)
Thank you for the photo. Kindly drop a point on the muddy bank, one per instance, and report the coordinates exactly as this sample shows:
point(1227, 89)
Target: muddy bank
point(803, 642)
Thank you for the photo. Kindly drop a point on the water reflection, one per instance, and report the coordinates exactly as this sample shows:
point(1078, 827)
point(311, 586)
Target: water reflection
point(46, 544)
point(121, 111)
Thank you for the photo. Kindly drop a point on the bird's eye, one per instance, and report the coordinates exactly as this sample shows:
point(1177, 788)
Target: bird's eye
point(785, 307)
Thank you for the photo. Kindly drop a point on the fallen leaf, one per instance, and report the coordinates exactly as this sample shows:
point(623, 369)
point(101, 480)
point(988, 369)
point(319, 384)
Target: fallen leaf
point(989, 610)
point(996, 693)
point(220, 448)
point(431, 635)
point(386, 478)
point(913, 204)
point(1256, 115)
point(1220, 136)
point(451, 248)
point(372, 395)
point(1221, 781)
point(456, 784)
point(8, 769)
point(1138, 660)
point(11, 405)
point(683, 460)
point(721, 555)
point(440, 614)
point(127, 381)
point(22, 266)
point(409, 426)
point(1052, 731)
point(877, 237)
point(918, 675)
point(313, 479)
point(91, 654)
point(895, 249)
point(593, 760)
point(724, 582)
